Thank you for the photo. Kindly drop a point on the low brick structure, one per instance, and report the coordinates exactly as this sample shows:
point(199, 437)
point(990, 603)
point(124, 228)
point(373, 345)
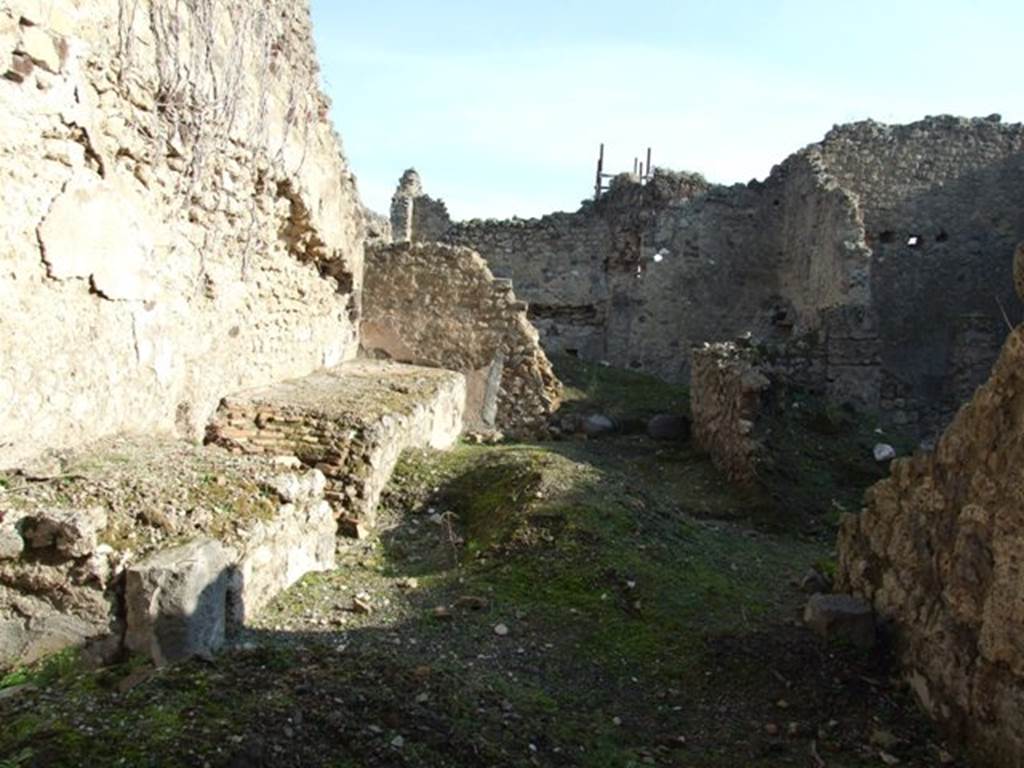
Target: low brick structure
point(350, 422)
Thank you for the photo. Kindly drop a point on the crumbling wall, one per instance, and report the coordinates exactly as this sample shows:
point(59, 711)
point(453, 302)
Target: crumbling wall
point(351, 423)
point(869, 255)
point(67, 546)
point(178, 220)
point(639, 276)
point(439, 305)
point(416, 217)
point(558, 262)
point(938, 552)
point(727, 397)
point(941, 203)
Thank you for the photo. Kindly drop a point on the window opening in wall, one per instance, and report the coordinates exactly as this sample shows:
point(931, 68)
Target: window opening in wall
point(887, 237)
point(942, 237)
point(572, 352)
point(914, 241)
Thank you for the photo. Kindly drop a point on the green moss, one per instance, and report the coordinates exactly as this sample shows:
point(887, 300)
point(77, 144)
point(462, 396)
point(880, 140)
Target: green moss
point(619, 394)
point(61, 666)
point(491, 498)
point(232, 502)
point(574, 543)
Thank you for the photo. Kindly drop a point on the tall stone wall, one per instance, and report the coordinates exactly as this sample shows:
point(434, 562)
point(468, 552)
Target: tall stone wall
point(643, 274)
point(942, 204)
point(178, 219)
point(869, 255)
point(938, 552)
point(439, 305)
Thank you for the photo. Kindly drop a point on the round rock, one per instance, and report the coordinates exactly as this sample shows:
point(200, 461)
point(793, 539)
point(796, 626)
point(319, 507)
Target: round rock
point(667, 427)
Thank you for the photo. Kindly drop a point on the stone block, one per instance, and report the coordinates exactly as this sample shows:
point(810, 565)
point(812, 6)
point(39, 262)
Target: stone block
point(841, 617)
point(72, 533)
point(11, 542)
point(176, 601)
point(40, 46)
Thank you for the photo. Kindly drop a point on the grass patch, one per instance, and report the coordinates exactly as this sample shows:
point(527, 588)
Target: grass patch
point(619, 394)
point(62, 666)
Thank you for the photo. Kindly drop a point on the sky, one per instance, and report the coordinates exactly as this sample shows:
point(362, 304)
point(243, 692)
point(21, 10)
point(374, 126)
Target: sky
point(501, 107)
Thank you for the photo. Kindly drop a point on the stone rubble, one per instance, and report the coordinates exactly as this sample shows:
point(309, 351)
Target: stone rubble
point(842, 618)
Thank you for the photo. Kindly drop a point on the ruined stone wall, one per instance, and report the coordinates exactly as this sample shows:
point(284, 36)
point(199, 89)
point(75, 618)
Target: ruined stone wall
point(938, 552)
point(956, 187)
point(66, 548)
point(641, 275)
point(430, 219)
point(439, 305)
point(727, 394)
point(415, 216)
point(817, 260)
point(558, 262)
point(178, 220)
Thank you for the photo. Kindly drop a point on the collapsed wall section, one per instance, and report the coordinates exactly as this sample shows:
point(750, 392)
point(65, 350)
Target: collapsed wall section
point(439, 305)
point(938, 552)
point(179, 221)
point(558, 263)
point(122, 543)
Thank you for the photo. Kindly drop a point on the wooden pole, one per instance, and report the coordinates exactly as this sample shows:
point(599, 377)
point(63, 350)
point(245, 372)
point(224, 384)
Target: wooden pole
point(600, 172)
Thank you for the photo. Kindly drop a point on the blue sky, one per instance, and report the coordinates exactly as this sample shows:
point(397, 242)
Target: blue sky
point(501, 106)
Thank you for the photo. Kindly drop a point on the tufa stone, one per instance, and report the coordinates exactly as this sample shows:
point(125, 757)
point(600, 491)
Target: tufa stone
point(177, 602)
point(73, 533)
point(841, 617)
point(668, 427)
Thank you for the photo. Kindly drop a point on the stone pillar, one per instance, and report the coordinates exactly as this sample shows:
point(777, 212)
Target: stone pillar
point(403, 206)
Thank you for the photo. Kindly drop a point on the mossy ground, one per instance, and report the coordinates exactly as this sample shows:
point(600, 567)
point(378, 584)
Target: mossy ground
point(644, 615)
